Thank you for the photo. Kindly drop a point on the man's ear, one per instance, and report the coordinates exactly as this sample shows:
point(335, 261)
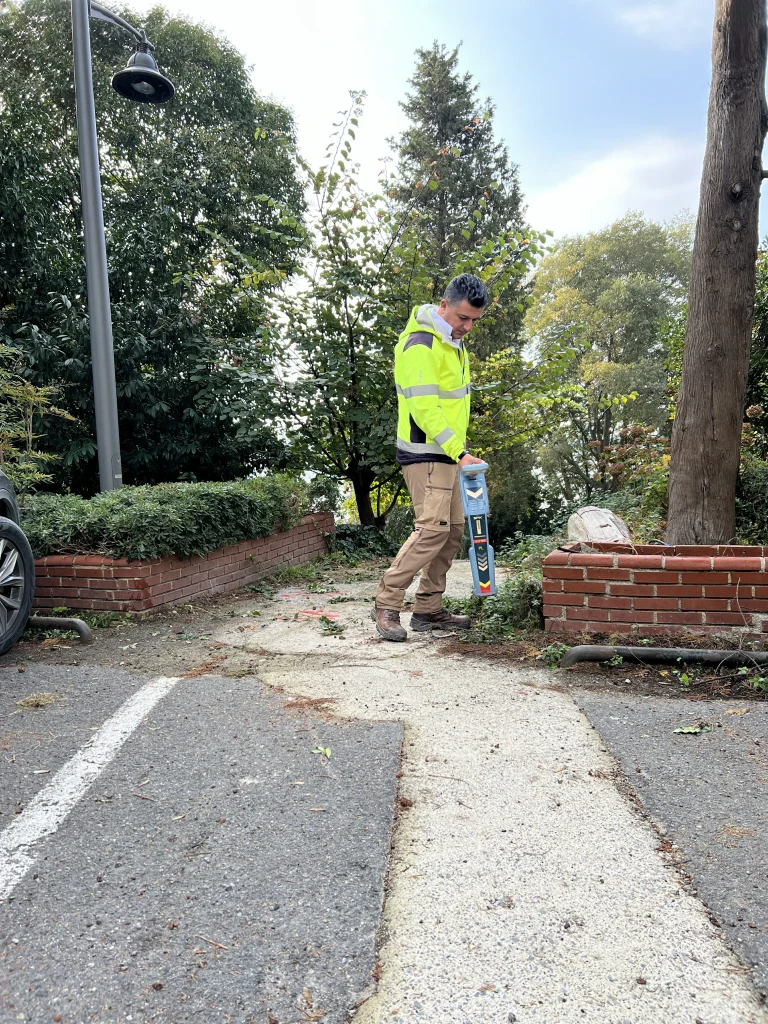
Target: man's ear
point(442, 307)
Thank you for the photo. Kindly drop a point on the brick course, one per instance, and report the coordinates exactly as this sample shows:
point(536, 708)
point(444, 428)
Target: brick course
point(605, 588)
point(95, 583)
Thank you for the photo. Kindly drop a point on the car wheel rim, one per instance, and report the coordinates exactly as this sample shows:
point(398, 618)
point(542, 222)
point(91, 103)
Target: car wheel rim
point(12, 585)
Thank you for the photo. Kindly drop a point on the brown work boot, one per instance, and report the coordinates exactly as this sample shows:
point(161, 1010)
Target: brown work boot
point(388, 624)
point(423, 622)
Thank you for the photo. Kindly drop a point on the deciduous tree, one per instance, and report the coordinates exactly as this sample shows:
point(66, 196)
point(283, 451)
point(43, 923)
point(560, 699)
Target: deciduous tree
point(196, 193)
point(608, 296)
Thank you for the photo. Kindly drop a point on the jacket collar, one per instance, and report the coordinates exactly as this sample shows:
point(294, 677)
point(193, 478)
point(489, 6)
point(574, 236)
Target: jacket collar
point(428, 317)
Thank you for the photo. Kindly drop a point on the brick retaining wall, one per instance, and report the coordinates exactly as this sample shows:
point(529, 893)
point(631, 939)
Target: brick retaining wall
point(97, 583)
point(613, 588)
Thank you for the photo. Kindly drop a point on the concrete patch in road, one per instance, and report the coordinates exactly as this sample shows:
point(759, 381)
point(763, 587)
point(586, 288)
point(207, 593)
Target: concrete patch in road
point(522, 885)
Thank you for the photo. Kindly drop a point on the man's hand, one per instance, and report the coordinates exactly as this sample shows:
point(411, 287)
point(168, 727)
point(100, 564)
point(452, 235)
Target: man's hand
point(470, 460)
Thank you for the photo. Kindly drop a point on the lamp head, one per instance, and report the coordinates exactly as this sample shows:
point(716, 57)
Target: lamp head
point(141, 81)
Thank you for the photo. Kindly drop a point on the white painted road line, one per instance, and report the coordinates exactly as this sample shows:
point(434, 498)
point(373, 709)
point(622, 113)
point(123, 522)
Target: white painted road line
point(48, 809)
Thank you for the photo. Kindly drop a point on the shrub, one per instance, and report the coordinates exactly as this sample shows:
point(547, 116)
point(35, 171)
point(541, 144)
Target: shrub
point(752, 502)
point(400, 523)
point(356, 542)
point(527, 550)
point(324, 494)
point(166, 519)
point(517, 604)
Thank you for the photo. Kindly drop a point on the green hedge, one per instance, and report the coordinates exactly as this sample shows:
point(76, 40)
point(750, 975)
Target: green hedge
point(167, 519)
point(356, 542)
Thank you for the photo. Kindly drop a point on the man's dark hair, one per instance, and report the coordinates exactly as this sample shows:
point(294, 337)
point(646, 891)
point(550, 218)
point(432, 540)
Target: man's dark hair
point(469, 287)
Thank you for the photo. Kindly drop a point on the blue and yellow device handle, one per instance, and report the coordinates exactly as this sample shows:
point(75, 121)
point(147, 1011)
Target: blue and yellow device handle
point(474, 498)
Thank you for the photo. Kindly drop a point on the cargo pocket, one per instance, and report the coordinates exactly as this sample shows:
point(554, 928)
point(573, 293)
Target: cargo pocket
point(436, 511)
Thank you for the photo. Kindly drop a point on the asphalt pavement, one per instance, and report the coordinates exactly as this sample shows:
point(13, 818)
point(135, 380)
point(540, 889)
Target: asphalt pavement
point(708, 789)
point(216, 869)
point(176, 846)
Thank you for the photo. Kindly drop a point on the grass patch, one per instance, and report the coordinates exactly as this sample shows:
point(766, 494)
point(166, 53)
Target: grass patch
point(38, 701)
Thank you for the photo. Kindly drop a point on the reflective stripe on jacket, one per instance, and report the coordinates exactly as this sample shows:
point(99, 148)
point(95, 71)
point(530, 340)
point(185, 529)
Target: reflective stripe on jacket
point(432, 381)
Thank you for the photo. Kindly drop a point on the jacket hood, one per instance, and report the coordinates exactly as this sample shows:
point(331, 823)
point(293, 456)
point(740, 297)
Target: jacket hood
point(424, 316)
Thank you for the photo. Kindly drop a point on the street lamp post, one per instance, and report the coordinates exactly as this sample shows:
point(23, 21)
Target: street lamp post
point(142, 82)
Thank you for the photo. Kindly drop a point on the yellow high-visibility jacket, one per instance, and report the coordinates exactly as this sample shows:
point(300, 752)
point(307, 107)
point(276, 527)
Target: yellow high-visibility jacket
point(432, 381)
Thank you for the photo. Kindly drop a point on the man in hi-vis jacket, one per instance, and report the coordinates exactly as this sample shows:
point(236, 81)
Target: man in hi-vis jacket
point(432, 381)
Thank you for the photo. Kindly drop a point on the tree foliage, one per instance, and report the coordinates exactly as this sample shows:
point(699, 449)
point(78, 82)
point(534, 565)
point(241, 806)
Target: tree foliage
point(369, 265)
point(195, 193)
point(21, 406)
point(611, 296)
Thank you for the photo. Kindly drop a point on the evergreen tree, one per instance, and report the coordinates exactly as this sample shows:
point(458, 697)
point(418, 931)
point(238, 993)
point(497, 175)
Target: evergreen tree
point(473, 192)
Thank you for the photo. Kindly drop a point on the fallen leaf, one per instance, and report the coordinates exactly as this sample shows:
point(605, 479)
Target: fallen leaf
point(694, 730)
point(331, 628)
point(736, 711)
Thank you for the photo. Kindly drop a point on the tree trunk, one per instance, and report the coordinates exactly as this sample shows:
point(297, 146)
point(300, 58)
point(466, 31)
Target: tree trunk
point(707, 431)
point(362, 481)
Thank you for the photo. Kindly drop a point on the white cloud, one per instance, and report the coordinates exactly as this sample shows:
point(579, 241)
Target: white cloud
point(658, 175)
point(673, 24)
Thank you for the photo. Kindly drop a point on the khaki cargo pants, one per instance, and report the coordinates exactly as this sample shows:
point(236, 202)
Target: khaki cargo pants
point(434, 489)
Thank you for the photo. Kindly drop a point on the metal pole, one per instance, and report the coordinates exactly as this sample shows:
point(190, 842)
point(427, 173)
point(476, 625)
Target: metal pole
point(102, 352)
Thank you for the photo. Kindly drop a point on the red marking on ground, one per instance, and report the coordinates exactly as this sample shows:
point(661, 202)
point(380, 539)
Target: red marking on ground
point(318, 613)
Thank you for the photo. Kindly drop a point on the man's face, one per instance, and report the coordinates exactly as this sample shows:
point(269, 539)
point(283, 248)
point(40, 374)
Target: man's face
point(461, 318)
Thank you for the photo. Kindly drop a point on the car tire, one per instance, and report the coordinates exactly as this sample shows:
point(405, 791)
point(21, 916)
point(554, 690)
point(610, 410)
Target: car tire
point(17, 583)
point(8, 504)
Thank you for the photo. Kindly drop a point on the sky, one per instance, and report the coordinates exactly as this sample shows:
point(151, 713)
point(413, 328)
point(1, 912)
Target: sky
point(602, 103)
